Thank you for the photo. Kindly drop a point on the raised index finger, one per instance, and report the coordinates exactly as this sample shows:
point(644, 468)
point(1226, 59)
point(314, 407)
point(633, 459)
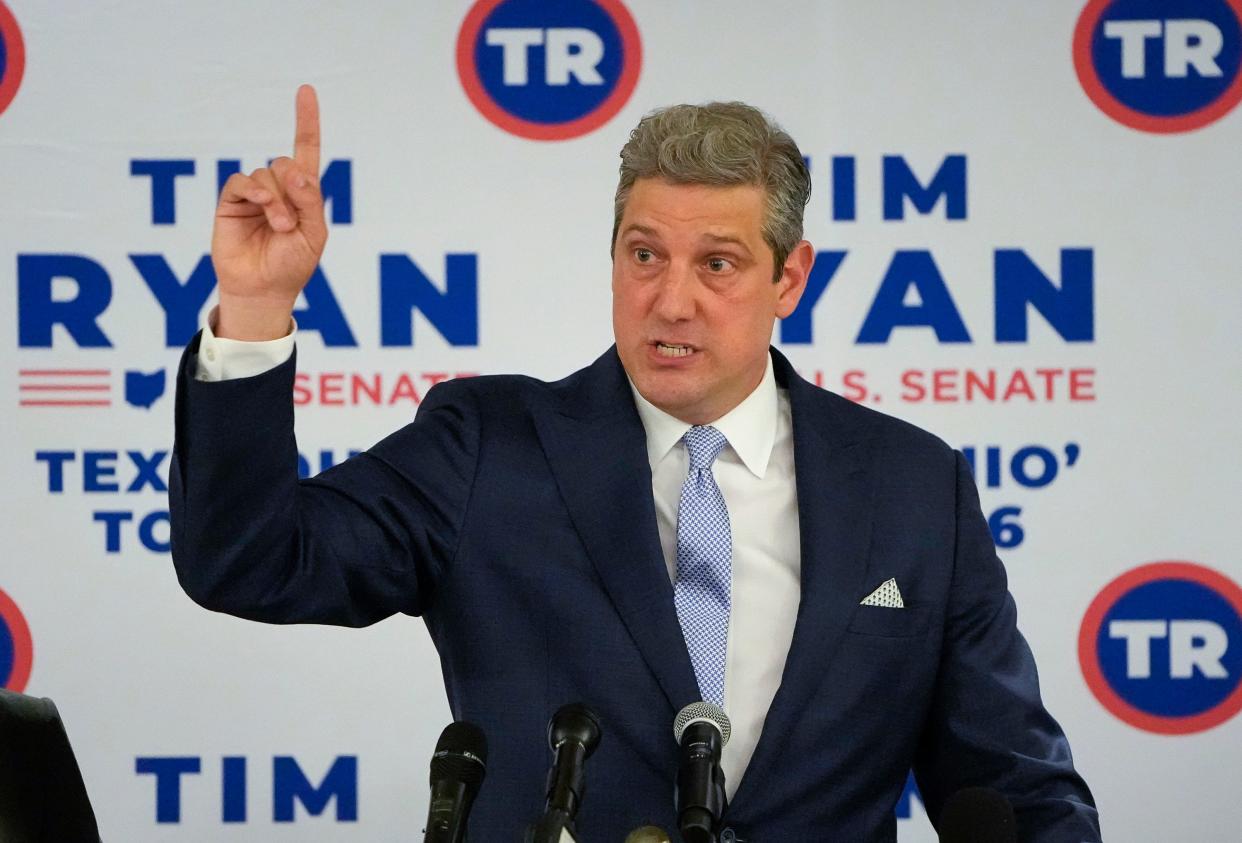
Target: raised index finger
point(306, 137)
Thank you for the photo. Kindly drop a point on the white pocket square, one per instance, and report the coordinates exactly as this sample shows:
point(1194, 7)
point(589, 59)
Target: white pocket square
point(887, 595)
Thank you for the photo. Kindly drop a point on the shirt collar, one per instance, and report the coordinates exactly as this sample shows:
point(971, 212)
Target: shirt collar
point(750, 427)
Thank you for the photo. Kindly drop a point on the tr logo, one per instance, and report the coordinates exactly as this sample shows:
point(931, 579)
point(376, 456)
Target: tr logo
point(548, 70)
point(567, 50)
point(15, 647)
point(1161, 647)
point(1168, 66)
point(12, 57)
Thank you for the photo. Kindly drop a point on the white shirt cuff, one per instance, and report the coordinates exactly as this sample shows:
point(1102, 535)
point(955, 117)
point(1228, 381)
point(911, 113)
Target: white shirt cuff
point(222, 359)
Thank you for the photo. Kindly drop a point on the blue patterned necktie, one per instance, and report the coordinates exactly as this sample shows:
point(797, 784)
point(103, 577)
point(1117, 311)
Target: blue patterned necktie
point(703, 593)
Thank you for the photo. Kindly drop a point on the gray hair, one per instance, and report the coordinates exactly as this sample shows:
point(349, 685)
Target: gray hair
point(721, 143)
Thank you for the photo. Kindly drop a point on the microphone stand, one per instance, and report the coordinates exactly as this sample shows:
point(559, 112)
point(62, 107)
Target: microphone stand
point(573, 734)
point(552, 828)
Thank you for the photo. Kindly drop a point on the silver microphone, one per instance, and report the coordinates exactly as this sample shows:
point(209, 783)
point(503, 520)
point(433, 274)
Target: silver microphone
point(701, 729)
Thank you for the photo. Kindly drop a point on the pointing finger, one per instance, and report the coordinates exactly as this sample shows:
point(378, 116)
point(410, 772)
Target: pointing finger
point(306, 137)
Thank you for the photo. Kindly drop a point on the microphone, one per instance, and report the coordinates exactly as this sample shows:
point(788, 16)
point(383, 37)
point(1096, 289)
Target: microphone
point(978, 815)
point(457, 771)
point(701, 729)
point(573, 734)
point(648, 834)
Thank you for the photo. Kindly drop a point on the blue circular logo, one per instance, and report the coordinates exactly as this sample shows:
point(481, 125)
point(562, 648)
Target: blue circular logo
point(1161, 647)
point(548, 69)
point(16, 652)
point(1161, 66)
point(12, 57)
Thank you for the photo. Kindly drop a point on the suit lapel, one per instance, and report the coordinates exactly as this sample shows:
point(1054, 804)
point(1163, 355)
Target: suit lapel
point(597, 449)
point(831, 460)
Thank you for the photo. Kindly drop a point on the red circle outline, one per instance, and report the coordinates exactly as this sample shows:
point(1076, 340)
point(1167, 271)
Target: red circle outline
point(23, 649)
point(1090, 630)
point(1121, 112)
point(631, 48)
point(15, 60)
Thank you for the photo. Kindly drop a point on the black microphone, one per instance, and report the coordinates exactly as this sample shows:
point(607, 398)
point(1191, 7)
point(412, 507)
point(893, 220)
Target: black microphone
point(457, 771)
point(573, 734)
point(978, 815)
point(701, 729)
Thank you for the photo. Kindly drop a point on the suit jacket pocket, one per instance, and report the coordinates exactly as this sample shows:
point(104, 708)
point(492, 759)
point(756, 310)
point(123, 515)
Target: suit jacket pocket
point(890, 623)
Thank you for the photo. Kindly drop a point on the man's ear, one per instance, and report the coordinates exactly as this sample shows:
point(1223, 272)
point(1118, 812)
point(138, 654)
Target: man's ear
point(792, 282)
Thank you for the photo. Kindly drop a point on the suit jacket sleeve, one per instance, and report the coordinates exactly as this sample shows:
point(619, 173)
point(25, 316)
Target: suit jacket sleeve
point(351, 546)
point(987, 725)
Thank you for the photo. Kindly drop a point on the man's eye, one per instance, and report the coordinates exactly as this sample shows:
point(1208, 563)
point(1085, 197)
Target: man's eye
point(644, 255)
point(718, 264)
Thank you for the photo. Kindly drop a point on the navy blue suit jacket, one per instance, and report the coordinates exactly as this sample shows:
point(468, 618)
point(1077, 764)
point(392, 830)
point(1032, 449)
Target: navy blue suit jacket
point(516, 517)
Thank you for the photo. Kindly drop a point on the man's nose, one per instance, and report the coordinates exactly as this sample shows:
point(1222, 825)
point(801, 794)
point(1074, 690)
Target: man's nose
point(675, 301)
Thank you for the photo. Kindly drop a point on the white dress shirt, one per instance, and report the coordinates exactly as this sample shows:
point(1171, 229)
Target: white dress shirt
point(755, 474)
point(756, 477)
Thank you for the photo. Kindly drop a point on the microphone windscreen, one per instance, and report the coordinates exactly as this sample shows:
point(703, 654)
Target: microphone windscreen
point(978, 815)
point(648, 834)
point(703, 711)
point(461, 754)
point(575, 722)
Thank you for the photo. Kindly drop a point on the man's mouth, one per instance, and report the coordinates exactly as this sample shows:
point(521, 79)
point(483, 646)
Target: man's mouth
point(673, 350)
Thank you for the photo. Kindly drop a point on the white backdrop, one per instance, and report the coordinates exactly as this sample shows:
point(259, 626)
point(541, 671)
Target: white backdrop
point(139, 672)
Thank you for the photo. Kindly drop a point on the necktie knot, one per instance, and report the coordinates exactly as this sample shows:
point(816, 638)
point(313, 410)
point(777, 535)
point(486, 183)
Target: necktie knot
point(703, 444)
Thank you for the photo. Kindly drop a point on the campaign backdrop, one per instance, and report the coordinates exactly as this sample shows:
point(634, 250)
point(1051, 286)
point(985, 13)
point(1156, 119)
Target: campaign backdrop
point(1027, 222)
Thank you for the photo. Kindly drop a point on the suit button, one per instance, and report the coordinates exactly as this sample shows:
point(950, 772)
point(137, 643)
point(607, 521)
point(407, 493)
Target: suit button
point(727, 836)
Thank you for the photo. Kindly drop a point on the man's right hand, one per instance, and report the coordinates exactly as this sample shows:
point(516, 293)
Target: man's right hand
point(269, 235)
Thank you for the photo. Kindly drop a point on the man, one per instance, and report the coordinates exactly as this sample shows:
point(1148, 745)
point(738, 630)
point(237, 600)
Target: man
point(42, 797)
point(684, 519)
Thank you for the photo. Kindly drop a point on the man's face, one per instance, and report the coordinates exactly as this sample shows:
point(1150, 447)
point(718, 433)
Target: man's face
point(693, 300)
